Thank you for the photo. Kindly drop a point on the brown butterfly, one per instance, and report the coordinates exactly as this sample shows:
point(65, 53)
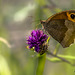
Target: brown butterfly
point(61, 27)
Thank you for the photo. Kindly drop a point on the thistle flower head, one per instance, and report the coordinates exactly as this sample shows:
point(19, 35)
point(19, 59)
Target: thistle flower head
point(37, 40)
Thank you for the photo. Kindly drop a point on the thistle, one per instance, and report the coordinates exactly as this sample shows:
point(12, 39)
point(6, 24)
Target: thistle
point(37, 40)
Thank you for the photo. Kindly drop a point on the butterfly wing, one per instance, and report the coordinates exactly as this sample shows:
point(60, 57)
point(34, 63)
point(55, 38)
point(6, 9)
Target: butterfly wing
point(60, 28)
point(57, 29)
point(70, 34)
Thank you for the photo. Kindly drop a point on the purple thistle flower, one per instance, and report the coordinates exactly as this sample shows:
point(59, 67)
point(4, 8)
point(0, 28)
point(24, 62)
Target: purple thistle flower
point(36, 40)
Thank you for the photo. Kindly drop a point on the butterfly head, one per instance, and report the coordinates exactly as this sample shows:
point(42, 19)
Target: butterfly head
point(71, 16)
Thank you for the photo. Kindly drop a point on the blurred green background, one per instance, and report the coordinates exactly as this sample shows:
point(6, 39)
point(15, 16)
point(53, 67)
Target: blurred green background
point(17, 19)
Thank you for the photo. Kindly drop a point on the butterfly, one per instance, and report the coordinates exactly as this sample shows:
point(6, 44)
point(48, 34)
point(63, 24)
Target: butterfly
point(61, 27)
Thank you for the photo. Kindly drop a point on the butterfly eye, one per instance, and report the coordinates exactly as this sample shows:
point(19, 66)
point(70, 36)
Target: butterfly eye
point(72, 16)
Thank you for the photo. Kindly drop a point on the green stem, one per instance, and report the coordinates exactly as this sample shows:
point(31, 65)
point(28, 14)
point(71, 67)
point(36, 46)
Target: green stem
point(41, 64)
point(60, 58)
point(63, 56)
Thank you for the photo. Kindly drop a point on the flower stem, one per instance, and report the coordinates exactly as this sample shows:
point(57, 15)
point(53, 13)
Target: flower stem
point(41, 64)
point(61, 58)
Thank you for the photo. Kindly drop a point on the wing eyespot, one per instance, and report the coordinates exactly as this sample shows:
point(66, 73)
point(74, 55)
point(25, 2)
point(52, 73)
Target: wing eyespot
point(72, 16)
